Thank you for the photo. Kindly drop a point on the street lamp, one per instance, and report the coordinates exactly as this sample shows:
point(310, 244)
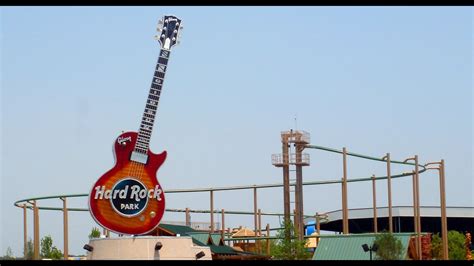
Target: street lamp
point(373, 248)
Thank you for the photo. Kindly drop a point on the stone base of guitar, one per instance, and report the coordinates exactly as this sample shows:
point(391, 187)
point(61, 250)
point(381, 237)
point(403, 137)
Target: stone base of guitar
point(143, 248)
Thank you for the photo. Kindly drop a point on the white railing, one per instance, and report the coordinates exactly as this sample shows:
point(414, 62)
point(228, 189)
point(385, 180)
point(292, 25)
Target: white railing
point(279, 159)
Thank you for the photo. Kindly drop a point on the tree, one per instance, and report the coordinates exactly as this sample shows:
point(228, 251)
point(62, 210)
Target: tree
point(436, 247)
point(456, 248)
point(48, 250)
point(389, 247)
point(289, 249)
point(8, 255)
point(95, 233)
point(56, 254)
point(29, 252)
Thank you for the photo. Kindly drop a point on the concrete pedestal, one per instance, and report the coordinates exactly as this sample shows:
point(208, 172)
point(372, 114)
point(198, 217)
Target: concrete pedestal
point(143, 248)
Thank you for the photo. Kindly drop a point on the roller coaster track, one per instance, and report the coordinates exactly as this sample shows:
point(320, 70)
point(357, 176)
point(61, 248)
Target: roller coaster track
point(27, 203)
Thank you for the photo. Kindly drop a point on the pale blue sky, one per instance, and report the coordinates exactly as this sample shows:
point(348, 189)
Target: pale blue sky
point(372, 79)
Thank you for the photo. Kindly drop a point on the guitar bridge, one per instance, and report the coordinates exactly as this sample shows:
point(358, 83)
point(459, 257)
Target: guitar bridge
point(139, 157)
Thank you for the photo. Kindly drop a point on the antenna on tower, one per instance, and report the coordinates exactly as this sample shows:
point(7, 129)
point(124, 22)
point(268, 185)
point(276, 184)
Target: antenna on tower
point(296, 122)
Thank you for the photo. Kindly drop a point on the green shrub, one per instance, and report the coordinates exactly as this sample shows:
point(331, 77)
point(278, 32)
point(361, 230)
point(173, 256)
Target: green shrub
point(389, 247)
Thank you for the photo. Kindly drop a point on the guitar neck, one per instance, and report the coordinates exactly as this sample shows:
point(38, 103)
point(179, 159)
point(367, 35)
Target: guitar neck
point(148, 118)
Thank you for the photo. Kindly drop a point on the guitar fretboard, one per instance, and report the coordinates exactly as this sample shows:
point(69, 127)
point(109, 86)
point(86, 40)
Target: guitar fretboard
point(148, 119)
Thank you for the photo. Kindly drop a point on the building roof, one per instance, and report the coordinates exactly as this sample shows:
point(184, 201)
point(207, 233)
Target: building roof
point(311, 242)
point(217, 239)
point(200, 238)
point(225, 250)
point(349, 247)
point(361, 219)
point(177, 229)
point(403, 211)
point(243, 232)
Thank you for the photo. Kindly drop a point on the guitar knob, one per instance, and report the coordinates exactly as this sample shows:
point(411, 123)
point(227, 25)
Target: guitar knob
point(152, 214)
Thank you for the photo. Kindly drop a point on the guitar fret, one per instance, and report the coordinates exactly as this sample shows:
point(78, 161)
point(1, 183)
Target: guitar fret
point(162, 60)
point(144, 134)
point(153, 97)
point(157, 80)
point(161, 68)
point(157, 86)
point(151, 107)
point(164, 53)
point(155, 94)
point(148, 111)
point(142, 140)
point(140, 150)
point(142, 146)
point(152, 101)
point(142, 143)
point(148, 122)
point(147, 119)
point(147, 131)
point(160, 75)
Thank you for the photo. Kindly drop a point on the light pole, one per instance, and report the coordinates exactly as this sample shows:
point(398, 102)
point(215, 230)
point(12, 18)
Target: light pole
point(442, 198)
point(373, 248)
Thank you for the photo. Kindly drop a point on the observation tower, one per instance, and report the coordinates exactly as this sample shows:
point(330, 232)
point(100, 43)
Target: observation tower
point(293, 156)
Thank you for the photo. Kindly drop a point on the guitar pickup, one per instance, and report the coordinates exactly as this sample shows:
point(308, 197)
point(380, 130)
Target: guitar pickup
point(139, 157)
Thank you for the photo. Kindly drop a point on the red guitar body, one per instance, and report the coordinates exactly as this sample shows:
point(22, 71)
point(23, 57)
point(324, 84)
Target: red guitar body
point(103, 210)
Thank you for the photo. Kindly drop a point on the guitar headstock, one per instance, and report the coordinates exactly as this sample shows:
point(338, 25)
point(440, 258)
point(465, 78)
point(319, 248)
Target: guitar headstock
point(169, 31)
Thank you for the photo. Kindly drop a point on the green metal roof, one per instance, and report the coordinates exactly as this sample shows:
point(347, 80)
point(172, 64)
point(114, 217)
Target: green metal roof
point(200, 238)
point(224, 250)
point(177, 229)
point(216, 238)
point(349, 247)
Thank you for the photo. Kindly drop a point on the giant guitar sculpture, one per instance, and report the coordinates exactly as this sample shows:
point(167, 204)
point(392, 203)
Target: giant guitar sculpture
point(128, 198)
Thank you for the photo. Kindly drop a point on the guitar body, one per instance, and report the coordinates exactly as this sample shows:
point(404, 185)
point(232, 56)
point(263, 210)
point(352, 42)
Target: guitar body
point(108, 213)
